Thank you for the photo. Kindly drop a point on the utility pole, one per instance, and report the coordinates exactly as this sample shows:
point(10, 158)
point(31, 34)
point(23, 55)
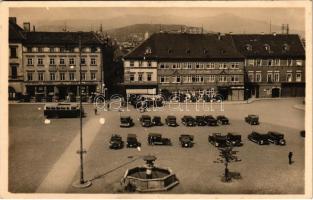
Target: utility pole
point(82, 183)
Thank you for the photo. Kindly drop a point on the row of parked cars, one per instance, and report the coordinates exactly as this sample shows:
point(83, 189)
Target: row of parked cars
point(187, 120)
point(187, 141)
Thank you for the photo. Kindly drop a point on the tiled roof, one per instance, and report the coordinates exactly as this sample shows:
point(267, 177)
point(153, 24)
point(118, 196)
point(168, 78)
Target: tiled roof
point(61, 38)
point(186, 46)
point(16, 33)
point(280, 45)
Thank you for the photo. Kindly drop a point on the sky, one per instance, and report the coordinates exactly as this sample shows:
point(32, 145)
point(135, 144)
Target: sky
point(293, 16)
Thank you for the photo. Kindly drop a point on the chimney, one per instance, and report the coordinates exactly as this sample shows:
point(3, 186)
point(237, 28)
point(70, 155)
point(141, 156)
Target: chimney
point(26, 26)
point(12, 20)
point(34, 29)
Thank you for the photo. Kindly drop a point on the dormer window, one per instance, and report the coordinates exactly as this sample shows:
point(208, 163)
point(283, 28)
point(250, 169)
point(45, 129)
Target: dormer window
point(248, 47)
point(205, 51)
point(286, 47)
point(188, 51)
point(170, 51)
point(222, 51)
point(267, 47)
point(148, 50)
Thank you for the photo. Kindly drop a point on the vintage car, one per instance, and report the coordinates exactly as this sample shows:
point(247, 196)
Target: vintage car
point(302, 133)
point(132, 141)
point(156, 120)
point(186, 140)
point(234, 139)
point(171, 121)
point(210, 120)
point(157, 139)
point(188, 120)
point(221, 119)
point(276, 138)
point(116, 142)
point(200, 121)
point(126, 121)
point(145, 121)
point(218, 140)
point(261, 139)
point(252, 119)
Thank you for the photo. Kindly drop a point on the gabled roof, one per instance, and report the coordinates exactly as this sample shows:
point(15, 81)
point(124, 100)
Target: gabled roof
point(280, 45)
point(186, 46)
point(61, 38)
point(16, 33)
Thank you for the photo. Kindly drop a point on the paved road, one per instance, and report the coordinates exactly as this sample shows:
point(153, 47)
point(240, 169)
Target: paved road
point(264, 169)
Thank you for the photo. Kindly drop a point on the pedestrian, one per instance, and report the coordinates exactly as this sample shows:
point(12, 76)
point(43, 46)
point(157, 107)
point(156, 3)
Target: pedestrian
point(108, 106)
point(290, 157)
point(96, 110)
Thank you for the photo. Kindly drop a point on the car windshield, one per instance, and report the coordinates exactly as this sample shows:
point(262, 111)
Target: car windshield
point(125, 120)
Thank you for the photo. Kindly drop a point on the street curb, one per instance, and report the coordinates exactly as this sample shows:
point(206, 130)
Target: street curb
point(299, 107)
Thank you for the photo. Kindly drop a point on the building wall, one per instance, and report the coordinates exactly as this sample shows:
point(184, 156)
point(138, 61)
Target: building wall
point(92, 71)
point(135, 68)
point(16, 61)
point(290, 73)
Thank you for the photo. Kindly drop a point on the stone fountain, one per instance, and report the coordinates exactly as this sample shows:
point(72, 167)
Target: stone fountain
point(149, 178)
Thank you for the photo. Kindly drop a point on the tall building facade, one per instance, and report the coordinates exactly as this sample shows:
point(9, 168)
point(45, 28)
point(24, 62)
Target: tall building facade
point(47, 64)
point(274, 64)
point(52, 63)
point(16, 73)
point(186, 63)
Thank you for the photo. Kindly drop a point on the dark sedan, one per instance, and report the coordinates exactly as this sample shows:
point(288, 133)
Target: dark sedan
point(221, 119)
point(188, 120)
point(210, 120)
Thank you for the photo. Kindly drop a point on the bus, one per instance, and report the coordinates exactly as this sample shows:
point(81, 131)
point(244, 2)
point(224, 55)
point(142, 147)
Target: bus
point(62, 110)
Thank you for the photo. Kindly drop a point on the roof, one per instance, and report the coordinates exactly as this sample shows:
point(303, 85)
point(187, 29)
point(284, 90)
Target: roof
point(186, 46)
point(280, 45)
point(62, 38)
point(16, 33)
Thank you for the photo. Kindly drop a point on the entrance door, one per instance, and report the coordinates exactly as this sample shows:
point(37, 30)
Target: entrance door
point(275, 92)
point(223, 92)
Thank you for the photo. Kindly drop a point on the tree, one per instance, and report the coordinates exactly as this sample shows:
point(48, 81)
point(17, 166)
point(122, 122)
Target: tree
point(227, 155)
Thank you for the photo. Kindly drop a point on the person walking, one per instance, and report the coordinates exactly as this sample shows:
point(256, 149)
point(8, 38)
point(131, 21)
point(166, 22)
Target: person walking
point(96, 111)
point(290, 157)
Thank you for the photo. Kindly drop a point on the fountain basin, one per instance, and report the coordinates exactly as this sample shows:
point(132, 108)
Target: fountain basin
point(161, 179)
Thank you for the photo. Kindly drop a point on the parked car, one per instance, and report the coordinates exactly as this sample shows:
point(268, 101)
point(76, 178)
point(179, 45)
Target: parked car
point(186, 141)
point(126, 121)
point(234, 139)
point(302, 133)
point(210, 120)
point(156, 120)
point(145, 121)
point(132, 141)
point(171, 121)
point(252, 119)
point(221, 119)
point(276, 138)
point(218, 140)
point(261, 139)
point(200, 121)
point(188, 120)
point(116, 142)
point(157, 139)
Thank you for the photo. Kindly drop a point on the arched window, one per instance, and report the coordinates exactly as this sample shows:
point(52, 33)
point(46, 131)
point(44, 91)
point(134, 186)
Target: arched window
point(267, 47)
point(188, 51)
point(148, 50)
point(248, 47)
point(286, 47)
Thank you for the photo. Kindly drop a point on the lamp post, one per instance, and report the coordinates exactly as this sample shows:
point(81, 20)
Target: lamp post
point(81, 183)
